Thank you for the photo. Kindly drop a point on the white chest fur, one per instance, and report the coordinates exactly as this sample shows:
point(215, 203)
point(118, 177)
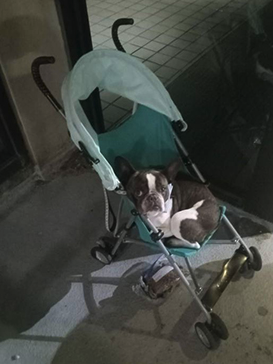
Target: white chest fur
point(170, 224)
point(163, 219)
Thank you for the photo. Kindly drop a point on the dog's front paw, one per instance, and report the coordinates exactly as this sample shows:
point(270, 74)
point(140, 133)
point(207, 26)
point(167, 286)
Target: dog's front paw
point(181, 243)
point(195, 245)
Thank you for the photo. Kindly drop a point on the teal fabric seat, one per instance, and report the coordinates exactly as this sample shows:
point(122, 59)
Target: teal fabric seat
point(182, 252)
point(145, 140)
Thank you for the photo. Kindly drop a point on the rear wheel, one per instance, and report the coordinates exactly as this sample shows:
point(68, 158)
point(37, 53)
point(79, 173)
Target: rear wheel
point(106, 242)
point(257, 263)
point(101, 255)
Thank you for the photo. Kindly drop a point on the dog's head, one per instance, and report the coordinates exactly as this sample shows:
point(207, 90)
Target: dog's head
point(148, 189)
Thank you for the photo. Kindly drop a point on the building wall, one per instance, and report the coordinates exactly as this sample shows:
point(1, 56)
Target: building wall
point(28, 29)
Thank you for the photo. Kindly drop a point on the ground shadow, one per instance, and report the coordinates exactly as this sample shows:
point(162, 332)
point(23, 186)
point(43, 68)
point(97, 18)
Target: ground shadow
point(116, 312)
point(97, 337)
point(45, 239)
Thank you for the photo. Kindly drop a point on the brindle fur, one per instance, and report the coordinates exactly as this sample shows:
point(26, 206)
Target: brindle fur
point(186, 193)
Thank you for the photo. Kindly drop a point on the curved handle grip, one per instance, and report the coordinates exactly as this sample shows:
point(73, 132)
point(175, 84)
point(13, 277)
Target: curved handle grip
point(35, 71)
point(115, 26)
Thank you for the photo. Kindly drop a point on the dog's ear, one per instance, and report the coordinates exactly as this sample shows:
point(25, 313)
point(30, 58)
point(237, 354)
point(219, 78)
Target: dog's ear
point(123, 170)
point(170, 172)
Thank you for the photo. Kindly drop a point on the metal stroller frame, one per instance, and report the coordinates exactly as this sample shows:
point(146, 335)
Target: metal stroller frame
point(244, 258)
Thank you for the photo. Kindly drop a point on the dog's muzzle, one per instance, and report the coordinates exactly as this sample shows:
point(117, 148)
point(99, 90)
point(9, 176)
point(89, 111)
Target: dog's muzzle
point(153, 202)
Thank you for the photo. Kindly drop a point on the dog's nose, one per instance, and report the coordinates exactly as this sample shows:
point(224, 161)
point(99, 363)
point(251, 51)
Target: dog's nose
point(152, 197)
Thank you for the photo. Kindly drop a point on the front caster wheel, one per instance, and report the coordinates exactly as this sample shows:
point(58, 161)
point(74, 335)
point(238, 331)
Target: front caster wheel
point(106, 242)
point(218, 327)
point(206, 336)
point(257, 263)
point(254, 266)
point(101, 255)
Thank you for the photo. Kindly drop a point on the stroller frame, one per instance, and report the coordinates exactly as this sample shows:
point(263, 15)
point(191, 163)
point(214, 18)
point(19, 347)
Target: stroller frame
point(241, 255)
point(243, 259)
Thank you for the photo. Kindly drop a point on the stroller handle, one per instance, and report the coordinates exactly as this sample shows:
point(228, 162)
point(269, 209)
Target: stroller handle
point(35, 71)
point(115, 26)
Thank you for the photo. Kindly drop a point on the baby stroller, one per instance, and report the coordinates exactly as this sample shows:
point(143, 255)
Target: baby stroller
point(149, 137)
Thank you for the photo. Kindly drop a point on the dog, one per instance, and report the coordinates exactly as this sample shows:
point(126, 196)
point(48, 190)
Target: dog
point(182, 208)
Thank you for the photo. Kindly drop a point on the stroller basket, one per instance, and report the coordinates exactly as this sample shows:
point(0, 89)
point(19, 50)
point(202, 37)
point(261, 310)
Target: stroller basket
point(150, 137)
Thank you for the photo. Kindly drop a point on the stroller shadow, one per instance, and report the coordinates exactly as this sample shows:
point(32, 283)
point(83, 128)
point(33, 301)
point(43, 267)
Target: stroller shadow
point(126, 312)
point(106, 313)
point(101, 342)
point(122, 312)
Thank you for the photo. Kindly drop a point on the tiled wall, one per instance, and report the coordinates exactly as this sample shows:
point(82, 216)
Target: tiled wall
point(168, 35)
point(30, 28)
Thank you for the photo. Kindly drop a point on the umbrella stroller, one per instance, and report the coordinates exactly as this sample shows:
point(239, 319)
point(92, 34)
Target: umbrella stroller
point(147, 138)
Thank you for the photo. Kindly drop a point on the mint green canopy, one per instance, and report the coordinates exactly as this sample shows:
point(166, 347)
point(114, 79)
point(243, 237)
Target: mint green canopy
point(146, 137)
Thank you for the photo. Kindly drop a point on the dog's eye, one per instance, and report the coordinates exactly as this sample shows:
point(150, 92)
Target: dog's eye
point(163, 189)
point(138, 193)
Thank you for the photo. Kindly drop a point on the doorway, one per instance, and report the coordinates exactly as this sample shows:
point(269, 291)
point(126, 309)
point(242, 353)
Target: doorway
point(13, 154)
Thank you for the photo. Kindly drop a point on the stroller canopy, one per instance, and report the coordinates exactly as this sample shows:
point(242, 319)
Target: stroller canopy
point(118, 73)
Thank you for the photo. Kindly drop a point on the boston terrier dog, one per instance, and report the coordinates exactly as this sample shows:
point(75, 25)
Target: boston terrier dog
point(182, 208)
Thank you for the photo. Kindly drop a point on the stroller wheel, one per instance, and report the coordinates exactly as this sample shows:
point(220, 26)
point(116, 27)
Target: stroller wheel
point(256, 265)
point(206, 336)
point(101, 255)
point(257, 259)
point(218, 327)
point(106, 242)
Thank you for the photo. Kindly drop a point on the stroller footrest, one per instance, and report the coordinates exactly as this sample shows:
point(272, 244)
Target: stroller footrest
point(230, 268)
